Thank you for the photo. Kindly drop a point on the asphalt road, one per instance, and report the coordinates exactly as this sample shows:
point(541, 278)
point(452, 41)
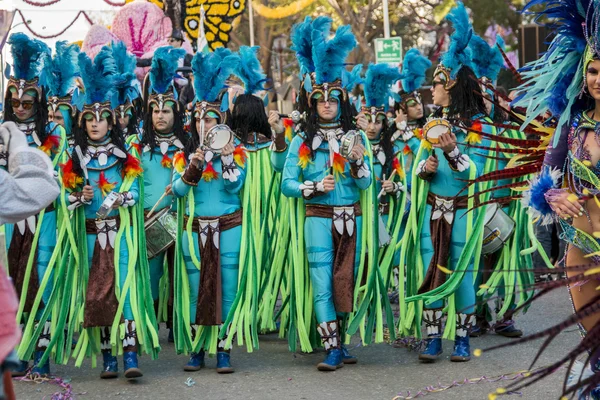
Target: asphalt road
point(383, 372)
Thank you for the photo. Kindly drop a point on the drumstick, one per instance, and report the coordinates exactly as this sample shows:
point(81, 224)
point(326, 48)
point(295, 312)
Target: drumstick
point(389, 179)
point(157, 203)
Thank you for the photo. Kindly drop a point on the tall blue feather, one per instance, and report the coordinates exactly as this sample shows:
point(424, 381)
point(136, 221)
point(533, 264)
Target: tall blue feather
point(301, 38)
point(211, 72)
point(164, 68)
point(353, 78)
point(249, 70)
point(61, 72)
point(128, 87)
point(29, 56)
point(378, 83)
point(414, 69)
point(486, 61)
point(99, 77)
point(329, 55)
point(458, 53)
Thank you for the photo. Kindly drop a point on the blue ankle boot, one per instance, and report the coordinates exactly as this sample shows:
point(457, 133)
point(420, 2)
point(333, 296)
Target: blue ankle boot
point(462, 349)
point(223, 363)
point(21, 371)
point(348, 358)
point(196, 362)
point(110, 365)
point(130, 365)
point(433, 349)
point(333, 361)
point(40, 370)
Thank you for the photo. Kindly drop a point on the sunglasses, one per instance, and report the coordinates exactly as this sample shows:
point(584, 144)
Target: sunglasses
point(435, 83)
point(15, 103)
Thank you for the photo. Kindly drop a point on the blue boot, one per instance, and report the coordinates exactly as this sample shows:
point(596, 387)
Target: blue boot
point(223, 363)
point(130, 365)
point(110, 365)
point(348, 358)
point(508, 329)
point(195, 363)
point(329, 332)
point(462, 349)
point(40, 370)
point(333, 361)
point(433, 349)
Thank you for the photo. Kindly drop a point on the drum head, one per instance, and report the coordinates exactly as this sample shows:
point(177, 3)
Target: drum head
point(436, 128)
point(348, 141)
point(490, 212)
point(218, 137)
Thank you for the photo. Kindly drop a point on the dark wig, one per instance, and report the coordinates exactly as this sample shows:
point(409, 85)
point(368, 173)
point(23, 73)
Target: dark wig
point(40, 116)
point(388, 147)
point(249, 116)
point(81, 137)
point(149, 134)
point(466, 98)
point(347, 121)
point(193, 142)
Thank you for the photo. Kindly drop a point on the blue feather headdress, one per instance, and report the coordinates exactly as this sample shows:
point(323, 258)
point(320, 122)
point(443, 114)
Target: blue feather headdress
point(301, 38)
point(555, 81)
point(414, 68)
point(211, 71)
point(329, 56)
point(29, 57)
point(61, 76)
point(100, 96)
point(486, 61)
point(249, 70)
point(379, 80)
point(459, 53)
point(163, 70)
point(128, 87)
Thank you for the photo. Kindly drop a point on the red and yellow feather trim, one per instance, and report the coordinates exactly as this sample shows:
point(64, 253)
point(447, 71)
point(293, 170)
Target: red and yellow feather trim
point(304, 156)
point(240, 156)
point(104, 184)
point(339, 164)
point(474, 135)
point(137, 146)
point(132, 167)
point(166, 161)
point(179, 162)
point(397, 166)
point(50, 145)
point(418, 132)
point(406, 150)
point(70, 179)
point(288, 124)
point(209, 172)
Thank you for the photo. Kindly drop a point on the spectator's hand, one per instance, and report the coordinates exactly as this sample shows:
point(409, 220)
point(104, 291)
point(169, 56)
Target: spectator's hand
point(12, 137)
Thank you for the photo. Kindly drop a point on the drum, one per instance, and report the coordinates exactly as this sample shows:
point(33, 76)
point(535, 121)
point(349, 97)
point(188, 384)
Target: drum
point(435, 128)
point(161, 231)
point(348, 141)
point(499, 227)
point(218, 137)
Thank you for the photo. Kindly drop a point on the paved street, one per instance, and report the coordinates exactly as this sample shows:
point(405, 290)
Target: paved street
point(273, 373)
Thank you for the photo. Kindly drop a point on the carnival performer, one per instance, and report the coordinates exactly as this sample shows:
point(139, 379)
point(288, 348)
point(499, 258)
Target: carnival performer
point(112, 300)
point(564, 85)
point(32, 241)
point(62, 80)
point(161, 137)
point(330, 185)
point(208, 180)
point(446, 233)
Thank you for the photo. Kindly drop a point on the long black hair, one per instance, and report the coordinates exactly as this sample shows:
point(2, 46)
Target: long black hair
point(193, 142)
point(40, 115)
point(149, 134)
point(248, 116)
point(385, 140)
point(346, 120)
point(81, 137)
point(466, 98)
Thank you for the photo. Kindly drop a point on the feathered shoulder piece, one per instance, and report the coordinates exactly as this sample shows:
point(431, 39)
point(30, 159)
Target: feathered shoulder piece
point(249, 70)
point(414, 68)
point(329, 53)
point(554, 81)
point(128, 87)
point(459, 53)
point(486, 61)
point(29, 57)
point(164, 68)
point(211, 71)
point(378, 83)
point(99, 77)
point(301, 38)
point(62, 72)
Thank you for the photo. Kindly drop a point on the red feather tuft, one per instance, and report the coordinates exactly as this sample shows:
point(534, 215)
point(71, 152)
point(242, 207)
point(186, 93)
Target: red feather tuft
point(132, 167)
point(209, 172)
point(70, 179)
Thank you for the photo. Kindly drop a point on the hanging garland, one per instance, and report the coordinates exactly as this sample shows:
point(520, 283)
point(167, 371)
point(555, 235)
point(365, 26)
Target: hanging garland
point(281, 12)
point(36, 4)
point(88, 19)
point(114, 4)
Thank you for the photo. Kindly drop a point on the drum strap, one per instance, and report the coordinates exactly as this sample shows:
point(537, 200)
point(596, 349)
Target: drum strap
point(442, 219)
point(101, 302)
point(343, 229)
point(208, 309)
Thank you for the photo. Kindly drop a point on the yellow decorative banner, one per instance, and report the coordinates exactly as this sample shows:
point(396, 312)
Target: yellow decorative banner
point(281, 12)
